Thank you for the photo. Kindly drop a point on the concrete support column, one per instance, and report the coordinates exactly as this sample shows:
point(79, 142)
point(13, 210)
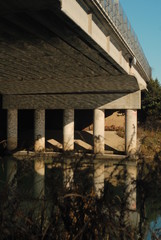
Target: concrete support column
point(98, 131)
point(39, 130)
point(131, 131)
point(39, 179)
point(68, 130)
point(12, 129)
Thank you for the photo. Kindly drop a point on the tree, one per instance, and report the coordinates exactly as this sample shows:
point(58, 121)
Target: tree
point(151, 101)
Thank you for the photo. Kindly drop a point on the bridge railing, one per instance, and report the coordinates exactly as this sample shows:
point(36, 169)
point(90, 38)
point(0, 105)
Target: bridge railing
point(117, 15)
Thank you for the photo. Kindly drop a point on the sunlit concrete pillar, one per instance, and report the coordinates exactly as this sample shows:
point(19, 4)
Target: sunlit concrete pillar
point(99, 177)
point(68, 130)
point(131, 186)
point(12, 129)
point(131, 131)
point(39, 130)
point(98, 131)
point(39, 178)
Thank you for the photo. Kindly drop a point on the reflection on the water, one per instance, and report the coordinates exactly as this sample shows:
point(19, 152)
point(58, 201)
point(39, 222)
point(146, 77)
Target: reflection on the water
point(154, 230)
point(70, 197)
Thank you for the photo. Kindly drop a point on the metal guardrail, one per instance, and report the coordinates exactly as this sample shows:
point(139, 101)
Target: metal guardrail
point(116, 13)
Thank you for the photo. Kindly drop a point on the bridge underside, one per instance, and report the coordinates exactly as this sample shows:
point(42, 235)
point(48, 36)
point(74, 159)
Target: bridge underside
point(49, 62)
point(46, 61)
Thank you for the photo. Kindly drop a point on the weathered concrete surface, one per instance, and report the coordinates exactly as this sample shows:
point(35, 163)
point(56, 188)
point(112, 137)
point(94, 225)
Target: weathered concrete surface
point(100, 28)
point(68, 130)
point(131, 131)
point(12, 129)
point(86, 100)
point(98, 130)
point(65, 56)
point(39, 130)
point(84, 82)
point(113, 141)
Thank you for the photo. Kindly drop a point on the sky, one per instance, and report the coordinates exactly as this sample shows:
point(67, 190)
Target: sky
point(145, 18)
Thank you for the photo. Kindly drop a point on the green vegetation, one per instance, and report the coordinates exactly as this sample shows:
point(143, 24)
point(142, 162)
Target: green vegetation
point(149, 130)
point(151, 102)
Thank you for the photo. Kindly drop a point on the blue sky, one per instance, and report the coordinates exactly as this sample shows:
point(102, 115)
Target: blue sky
point(145, 18)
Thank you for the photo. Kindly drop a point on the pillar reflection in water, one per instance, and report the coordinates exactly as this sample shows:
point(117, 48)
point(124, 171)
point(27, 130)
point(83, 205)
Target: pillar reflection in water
point(120, 188)
point(11, 177)
point(99, 177)
point(39, 179)
point(11, 170)
point(131, 186)
point(68, 174)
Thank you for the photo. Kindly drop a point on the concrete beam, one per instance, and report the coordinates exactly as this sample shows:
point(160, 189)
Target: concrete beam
point(128, 101)
point(86, 100)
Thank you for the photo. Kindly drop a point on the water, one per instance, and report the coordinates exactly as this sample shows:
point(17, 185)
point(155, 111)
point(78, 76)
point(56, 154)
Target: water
point(44, 190)
point(154, 229)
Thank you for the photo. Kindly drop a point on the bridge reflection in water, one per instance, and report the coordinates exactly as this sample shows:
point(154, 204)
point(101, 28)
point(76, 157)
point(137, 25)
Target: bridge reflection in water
point(41, 185)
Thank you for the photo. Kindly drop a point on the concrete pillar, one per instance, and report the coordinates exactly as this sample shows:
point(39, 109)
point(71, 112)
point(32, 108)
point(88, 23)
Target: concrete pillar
point(98, 131)
point(12, 129)
point(39, 130)
point(39, 179)
point(131, 131)
point(98, 177)
point(68, 130)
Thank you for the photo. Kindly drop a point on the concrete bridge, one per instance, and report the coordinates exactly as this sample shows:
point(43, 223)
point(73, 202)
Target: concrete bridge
point(69, 54)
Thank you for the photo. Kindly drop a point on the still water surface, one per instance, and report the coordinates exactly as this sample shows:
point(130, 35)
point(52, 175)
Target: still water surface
point(32, 184)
